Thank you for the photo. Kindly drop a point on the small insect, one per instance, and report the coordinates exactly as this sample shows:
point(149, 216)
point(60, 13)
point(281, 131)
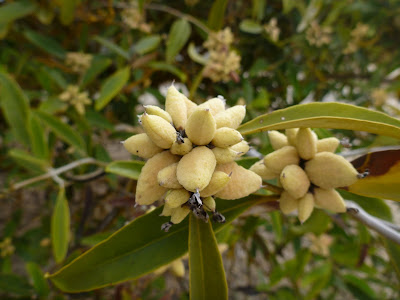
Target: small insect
point(166, 226)
point(363, 174)
point(218, 217)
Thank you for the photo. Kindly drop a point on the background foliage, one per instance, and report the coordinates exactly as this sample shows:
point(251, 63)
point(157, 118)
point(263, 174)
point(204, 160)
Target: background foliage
point(74, 76)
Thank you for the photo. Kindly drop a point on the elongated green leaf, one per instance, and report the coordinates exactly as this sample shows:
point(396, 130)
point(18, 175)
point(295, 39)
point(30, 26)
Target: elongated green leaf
point(383, 180)
point(113, 47)
point(141, 245)
point(38, 138)
point(15, 107)
point(28, 161)
point(111, 87)
point(13, 284)
point(325, 115)
point(217, 15)
point(62, 130)
point(67, 12)
point(45, 43)
point(359, 287)
point(16, 10)
point(250, 26)
point(60, 222)
point(98, 65)
point(147, 44)
point(207, 275)
point(162, 66)
point(39, 282)
point(178, 36)
point(130, 168)
point(393, 250)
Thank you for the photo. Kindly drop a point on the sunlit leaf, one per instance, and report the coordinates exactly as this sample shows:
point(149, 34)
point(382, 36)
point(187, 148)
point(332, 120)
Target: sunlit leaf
point(217, 15)
point(383, 180)
point(98, 65)
point(207, 275)
point(45, 43)
point(162, 66)
point(130, 168)
point(27, 161)
point(113, 47)
point(325, 115)
point(111, 87)
point(16, 10)
point(67, 11)
point(177, 38)
point(250, 26)
point(38, 138)
point(39, 282)
point(60, 222)
point(147, 44)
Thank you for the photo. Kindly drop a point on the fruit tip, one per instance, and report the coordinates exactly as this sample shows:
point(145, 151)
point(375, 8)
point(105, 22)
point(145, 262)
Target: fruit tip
point(122, 142)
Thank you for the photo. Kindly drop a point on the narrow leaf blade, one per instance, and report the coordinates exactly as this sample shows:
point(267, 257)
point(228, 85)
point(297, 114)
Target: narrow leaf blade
point(38, 138)
point(178, 36)
point(60, 222)
point(16, 10)
point(217, 14)
point(39, 282)
point(45, 43)
point(113, 47)
point(130, 169)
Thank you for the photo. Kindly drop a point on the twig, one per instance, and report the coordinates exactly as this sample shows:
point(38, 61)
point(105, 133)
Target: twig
point(374, 223)
point(362, 151)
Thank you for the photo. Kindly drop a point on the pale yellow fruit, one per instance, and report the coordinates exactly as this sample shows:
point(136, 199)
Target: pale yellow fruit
point(176, 198)
point(167, 177)
point(232, 117)
point(291, 134)
point(178, 268)
point(287, 203)
point(224, 155)
point(243, 182)
point(142, 146)
point(260, 169)
point(225, 137)
point(148, 190)
point(179, 213)
point(162, 133)
point(242, 147)
point(200, 127)
point(328, 145)
point(167, 210)
point(209, 203)
point(157, 111)
point(306, 143)
point(329, 199)
point(305, 207)
point(215, 105)
point(277, 139)
point(196, 168)
point(181, 148)
point(218, 181)
point(295, 181)
point(281, 158)
point(190, 106)
point(175, 105)
point(328, 170)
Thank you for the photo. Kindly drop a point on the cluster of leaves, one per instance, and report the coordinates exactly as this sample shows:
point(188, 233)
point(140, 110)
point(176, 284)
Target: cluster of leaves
point(115, 56)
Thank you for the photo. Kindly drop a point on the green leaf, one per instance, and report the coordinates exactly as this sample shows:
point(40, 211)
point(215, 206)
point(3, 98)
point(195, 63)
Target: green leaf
point(195, 55)
point(67, 11)
point(207, 275)
point(177, 38)
point(94, 239)
point(258, 9)
point(15, 107)
point(98, 65)
point(28, 161)
point(162, 66)
point(111, 87)
point(45, 43)
point(147, 44)
point(113, 47)
point(15, 10)
point(393, 250)
point(14, 284)
point(98, 120)
point(60, 222)
point(250, 26)
point(62, 130)
point(130, 169)
point(325, 115)
point(39, 282)
point(142, 245)
point(359, 287)
point(217, 14)
point(38, 138)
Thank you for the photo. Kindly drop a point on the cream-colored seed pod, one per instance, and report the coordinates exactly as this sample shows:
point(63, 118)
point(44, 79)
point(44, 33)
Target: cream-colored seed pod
point(295, 181)
point(178, 268)
point(277, 139)
point(243, 182)
point(181, 148)
point(291, 134)
point(305, 207)
point(179, 213)
point(328, 170)
point(242, 147)
point(306, 143)
point(215, 105)
point(176, 198)
point(162, 133)
point(224, 155)
point(157, 111)
point(147, 189)
point(142, 146)
point(260, 169)
point(209, 203)
point(196, 168)
point(328, 145)
point(200, 127)
point(225, 137)
point(167, 177)
point(175, 105)
point(218, 181)
point(277, 160)
point(287, 203)
point(190, 106)
point(167, 210)
point(232, 117)
point(329, 199)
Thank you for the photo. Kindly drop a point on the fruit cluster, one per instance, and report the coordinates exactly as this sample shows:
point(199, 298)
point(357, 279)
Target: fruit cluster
point(308, 170)
point(191, 151)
